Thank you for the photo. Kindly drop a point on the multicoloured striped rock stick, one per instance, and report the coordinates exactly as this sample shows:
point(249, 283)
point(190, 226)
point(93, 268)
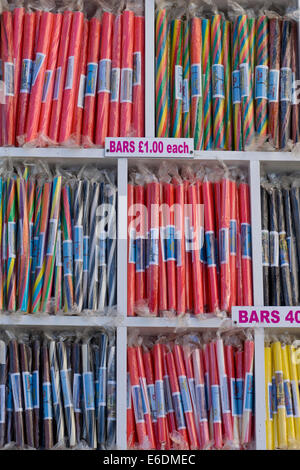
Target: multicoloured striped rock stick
point(58, 269)
point(31, 210)
point(186, 81)
point(236, 90)
point(51, 242)
point(196, 83)
point(176, 29)
point(246, 82)
point(78, 244)
point(11, 217)
point(275, 25)
point(252, 42)
point(207, 86)
point(93, 250)
point(67, 249)
point(67, 392)
point(226, 37)
point(285, 83)
point(36, 232)
point(3, 205)
point(261, 76)
point(41, 260)
point(161, 47)
point(218, 91)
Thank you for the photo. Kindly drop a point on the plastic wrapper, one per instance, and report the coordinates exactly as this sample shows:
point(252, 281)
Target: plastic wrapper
point(63, 380)
point(50, 236)
point(191, 274)
point(265, 234)
point(204, 390)
point(285, 83)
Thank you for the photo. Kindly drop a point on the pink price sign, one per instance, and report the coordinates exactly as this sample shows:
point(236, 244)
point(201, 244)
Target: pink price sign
point(266, 317)
point(149, 147)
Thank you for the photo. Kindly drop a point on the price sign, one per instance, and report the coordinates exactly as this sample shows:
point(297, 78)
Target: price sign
point(266, 317)
point(148, 147)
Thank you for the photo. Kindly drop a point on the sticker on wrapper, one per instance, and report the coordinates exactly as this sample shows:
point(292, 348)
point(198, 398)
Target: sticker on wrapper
point(52, 231)
point(273, 90)
point(170, 243)
point(294, 90)
point(80, 101)
point(283, 251)
point(295, 393)
point(78, 243)
point(210, 249)
point(126, 86)
point(178, 82)
point(9, 71)
point(236, 87)
point(47, 403)
point(168, 395)
point(160, 399)
point(68, 257)
point(40, 254)
point(178, 411)
point(26, 75)
point(246, 241)
point(91, 79)
point(47, 80)
point(186, 96)
point(233, 237)
point(224, 245)
point(244, 80)
point(39, 60)
point(2, 404)
point(218, 90)
point(196, 81)
point(137, 404)
point(54, 389)
point(64, 378)
point(248, 392)
point(88, 391)
point(132, 247)
point(11, 232)
point(225, 395)
point(137, 69)
point(261, 82)
point(102, 249)
point(288, 399)
point(139, 255)
point(70, 73)
point(285, 84)
point(186, 400)
point(143, 389)
point(36, 389)
point(104, 76)
point(102, 386)
point(153, 247)
point(86, 239)
point(57, 84)
point(233, 397)
point(151, 394)
point(216, 405)
point(115, 85)
point(265, 247)
point(201, 401)
point(274, 249)
point(77, 392)
point(27, 389)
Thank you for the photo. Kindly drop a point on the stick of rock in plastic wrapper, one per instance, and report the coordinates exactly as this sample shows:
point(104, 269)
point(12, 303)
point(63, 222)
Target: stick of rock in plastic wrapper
point(286, 84)
point(26, 74)
point(78, 245)
point(131, 438)
point(215, 396)
point(47, 400)
point(168, 397)
point(138, 109)
point(91, 83)
point(131, 246)
point(246, 244)
point(111, 196)
point(11, 248)
point(114, 111)
point(58, 269)
point(72, 72)
point(153, 249)
point(177, 399)
point(290, 425)
point(49, 81)
point(285, 270)
point(162, 259)
point(36, 234)
point(295, 75)
point(8, 107)
point(24, 244)
point(161, 80)
point(176, 30)
point(188, 251)
point(67, 249)
point(185, 395)
point(224, 257)
point(275, 25)
point(126, 73)
point(18, 25)
point(236, 90)
point(148, 363)
point(88, 395)
point(60, 75)
point(190, 374)
point(56, 393)
point(93, 250)
point(137, 397)
point(268, 399)
point(291, 242)
point(157, 352)
point(36, 350)
point(207, 85)
point(102, 378)
point(140, 244)
point(225, 402)
point(1, 245)
point(275, 284)
point(41, 259)
point(218, 91)
point(54, 214)
point(38, 76)
point(200, 397)
point(280, 397)
point(230, 368)
point(25, 363)
point(295, 201)
point(226, 37)
point(111, 396)
point(67, 393)
point(186, 121)
point(77, 388)
point(3, 378)
point(265, 236)
point(248, 392)
point(233, 241)
point(80, 88)
point(168, 197)
point(86, 237)
point(295, 390)
point(104, 75)
point(30, 188)
point(180, 248)
point(261, 76)
point(102, 249)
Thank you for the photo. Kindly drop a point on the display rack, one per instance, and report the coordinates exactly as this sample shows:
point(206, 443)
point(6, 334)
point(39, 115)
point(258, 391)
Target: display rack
point(255, 163)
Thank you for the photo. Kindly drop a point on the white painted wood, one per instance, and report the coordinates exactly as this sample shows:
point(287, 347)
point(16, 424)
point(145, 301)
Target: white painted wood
point(121, 387)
